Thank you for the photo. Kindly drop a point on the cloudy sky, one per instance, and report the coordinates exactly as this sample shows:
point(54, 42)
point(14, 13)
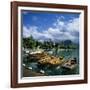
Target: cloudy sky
point(47, 25)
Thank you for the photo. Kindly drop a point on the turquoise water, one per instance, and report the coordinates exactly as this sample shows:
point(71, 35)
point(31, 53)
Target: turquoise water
point(50, 71)
point(66, 54)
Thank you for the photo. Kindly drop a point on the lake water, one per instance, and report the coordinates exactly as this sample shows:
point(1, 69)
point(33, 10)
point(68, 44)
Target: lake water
point(66, 54)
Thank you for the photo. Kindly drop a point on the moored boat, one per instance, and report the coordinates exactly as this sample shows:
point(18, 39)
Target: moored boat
point(37, 51)
point(70, 64)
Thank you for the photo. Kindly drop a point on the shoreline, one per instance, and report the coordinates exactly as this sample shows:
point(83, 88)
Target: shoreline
point(29, 73)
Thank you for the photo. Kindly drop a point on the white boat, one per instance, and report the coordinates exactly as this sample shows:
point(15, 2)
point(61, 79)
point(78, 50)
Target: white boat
point(42, 71)
point(58, 67)
point(24, 65)
point(30, 68)
point(36, 51)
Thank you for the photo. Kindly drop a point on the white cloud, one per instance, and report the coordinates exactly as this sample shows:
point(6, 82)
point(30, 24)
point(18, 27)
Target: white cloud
point(62, 30)
point(33, 30)
point(27, 31)
point(59, 22)
point(73, 25)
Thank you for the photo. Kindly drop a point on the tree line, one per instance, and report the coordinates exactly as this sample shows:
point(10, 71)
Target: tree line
point(31, 43)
